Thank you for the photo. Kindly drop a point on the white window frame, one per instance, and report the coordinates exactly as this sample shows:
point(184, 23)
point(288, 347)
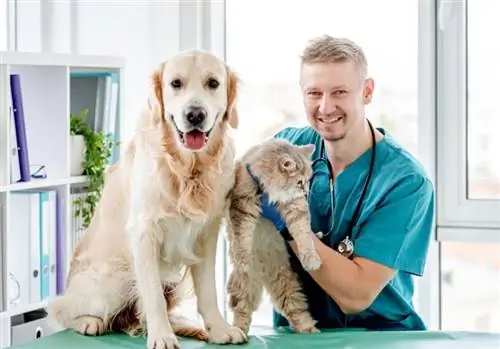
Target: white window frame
point(455, 210)
point(428, 287)
point(10, 28)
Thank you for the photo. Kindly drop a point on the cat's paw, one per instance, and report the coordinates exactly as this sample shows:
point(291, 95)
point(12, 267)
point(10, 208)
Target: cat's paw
point(312, 329)
point(310, 260)
point(304, 323)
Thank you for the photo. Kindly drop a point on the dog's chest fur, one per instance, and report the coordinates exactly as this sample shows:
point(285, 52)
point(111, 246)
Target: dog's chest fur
point(189, 207)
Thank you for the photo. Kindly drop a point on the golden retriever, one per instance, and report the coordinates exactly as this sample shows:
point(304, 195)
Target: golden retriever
point(160, 214)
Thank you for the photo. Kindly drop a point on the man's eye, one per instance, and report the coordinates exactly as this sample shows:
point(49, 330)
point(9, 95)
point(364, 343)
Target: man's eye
point(314, 93)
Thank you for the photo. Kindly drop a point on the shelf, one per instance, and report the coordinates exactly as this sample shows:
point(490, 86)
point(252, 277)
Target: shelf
point(38, 228)
point(60, 60)
point(27, 308)
point(43, 183)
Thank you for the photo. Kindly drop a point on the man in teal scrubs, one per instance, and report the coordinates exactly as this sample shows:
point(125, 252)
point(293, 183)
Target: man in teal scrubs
point(373, 288)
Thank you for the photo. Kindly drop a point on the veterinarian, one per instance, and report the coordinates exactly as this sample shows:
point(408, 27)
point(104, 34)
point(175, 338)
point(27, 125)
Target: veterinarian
point(371, 202)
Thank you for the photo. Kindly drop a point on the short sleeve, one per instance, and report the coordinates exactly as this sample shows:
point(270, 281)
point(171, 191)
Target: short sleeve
point(285, 133)
point(397, 233)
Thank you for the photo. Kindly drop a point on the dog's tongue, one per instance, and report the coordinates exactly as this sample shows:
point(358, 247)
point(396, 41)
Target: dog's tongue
point(194, 140)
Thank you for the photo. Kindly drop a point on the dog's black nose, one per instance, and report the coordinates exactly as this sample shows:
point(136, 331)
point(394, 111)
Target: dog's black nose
point(195, 115)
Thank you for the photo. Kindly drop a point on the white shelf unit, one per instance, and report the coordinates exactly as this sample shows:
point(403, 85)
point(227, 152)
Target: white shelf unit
point(46, 81)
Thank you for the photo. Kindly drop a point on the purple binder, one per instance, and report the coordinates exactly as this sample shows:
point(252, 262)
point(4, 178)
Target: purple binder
point(19, 121)
point(60, 244)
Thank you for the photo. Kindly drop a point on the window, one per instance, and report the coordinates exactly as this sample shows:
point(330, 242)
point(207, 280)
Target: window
point(468, 165)
point(264, 51)
point(3, 25)
point(470, 284)
point(483, 110)
point(468, 162)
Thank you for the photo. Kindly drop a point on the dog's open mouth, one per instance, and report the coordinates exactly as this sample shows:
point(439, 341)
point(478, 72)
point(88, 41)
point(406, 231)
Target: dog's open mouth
point(195, 139)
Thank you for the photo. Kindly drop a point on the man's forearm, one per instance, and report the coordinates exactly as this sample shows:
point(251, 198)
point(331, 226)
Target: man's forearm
point(341, 278)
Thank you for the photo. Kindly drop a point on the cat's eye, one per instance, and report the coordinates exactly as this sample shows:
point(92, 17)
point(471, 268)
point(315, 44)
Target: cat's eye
point(301, 183)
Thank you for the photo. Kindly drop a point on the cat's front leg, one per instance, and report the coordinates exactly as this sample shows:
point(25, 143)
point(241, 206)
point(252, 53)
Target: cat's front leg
point(307, 254)
point(298, 222)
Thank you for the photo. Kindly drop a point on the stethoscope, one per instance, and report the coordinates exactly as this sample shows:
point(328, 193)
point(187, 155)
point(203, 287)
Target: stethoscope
point(346, 246)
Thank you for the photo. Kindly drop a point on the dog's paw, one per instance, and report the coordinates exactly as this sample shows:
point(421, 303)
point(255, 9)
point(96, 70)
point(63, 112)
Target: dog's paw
point(163, 341)
point(225, 334)
point(89, 325)
point(310, 260)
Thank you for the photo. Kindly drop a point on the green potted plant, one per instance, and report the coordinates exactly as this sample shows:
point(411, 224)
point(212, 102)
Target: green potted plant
point(97, 151)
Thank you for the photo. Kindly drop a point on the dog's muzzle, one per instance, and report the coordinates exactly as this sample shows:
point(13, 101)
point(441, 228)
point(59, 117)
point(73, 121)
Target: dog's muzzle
point(196, 137)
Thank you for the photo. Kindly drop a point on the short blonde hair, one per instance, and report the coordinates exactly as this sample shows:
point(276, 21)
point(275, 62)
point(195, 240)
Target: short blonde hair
point(328, 49)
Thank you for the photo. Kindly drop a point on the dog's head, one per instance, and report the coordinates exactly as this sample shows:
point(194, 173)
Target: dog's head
point(194, 95)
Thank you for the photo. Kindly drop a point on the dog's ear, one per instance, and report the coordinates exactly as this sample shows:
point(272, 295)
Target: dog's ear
point(232, 92)
point(155, 100)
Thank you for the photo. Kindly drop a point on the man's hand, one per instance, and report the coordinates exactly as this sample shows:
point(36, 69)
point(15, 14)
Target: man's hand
point(270, 212)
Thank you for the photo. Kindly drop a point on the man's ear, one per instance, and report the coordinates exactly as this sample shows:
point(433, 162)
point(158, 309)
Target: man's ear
point(232, 93)
point(368, 90)
point(155, 99)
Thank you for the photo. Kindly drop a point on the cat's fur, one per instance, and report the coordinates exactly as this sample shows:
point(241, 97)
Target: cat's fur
point(257, 251)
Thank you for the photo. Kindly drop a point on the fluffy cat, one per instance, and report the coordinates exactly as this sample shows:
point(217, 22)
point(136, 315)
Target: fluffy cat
point(257, 250)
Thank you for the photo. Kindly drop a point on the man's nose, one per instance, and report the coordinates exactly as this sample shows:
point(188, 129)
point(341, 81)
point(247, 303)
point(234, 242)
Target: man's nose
point(326, 105)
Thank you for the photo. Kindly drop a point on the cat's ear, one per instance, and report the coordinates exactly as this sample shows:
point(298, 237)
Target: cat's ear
point(307, 149)
point(287, 164)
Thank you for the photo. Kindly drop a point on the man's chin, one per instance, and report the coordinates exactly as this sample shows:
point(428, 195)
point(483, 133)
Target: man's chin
point(332, 136)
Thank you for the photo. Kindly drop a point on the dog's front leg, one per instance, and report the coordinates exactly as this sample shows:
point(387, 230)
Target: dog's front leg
point(204, 284)
point(149, 286)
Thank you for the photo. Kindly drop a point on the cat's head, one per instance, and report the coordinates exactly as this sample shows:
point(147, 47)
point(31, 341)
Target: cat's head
point(284, 169)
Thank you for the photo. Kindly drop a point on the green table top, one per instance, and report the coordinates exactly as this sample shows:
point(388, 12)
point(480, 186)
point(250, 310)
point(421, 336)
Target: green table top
point(282, 338)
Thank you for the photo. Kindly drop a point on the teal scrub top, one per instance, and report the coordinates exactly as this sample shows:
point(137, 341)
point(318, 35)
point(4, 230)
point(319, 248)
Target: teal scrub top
point(394, 229)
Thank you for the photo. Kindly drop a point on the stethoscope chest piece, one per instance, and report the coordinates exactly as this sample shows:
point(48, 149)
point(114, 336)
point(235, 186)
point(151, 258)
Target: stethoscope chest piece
point(346, 247)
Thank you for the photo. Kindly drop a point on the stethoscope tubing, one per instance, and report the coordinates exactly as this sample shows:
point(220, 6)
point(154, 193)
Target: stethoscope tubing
point(368, 179)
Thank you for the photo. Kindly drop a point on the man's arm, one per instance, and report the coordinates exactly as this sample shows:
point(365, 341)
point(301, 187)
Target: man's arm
point(395, 237)
point(353, 284)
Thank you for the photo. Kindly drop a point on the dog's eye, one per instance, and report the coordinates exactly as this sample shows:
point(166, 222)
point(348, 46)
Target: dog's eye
point(176, 83)
point(212, 83)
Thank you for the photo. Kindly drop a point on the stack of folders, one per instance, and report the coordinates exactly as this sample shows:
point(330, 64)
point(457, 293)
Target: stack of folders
point(34, 247)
